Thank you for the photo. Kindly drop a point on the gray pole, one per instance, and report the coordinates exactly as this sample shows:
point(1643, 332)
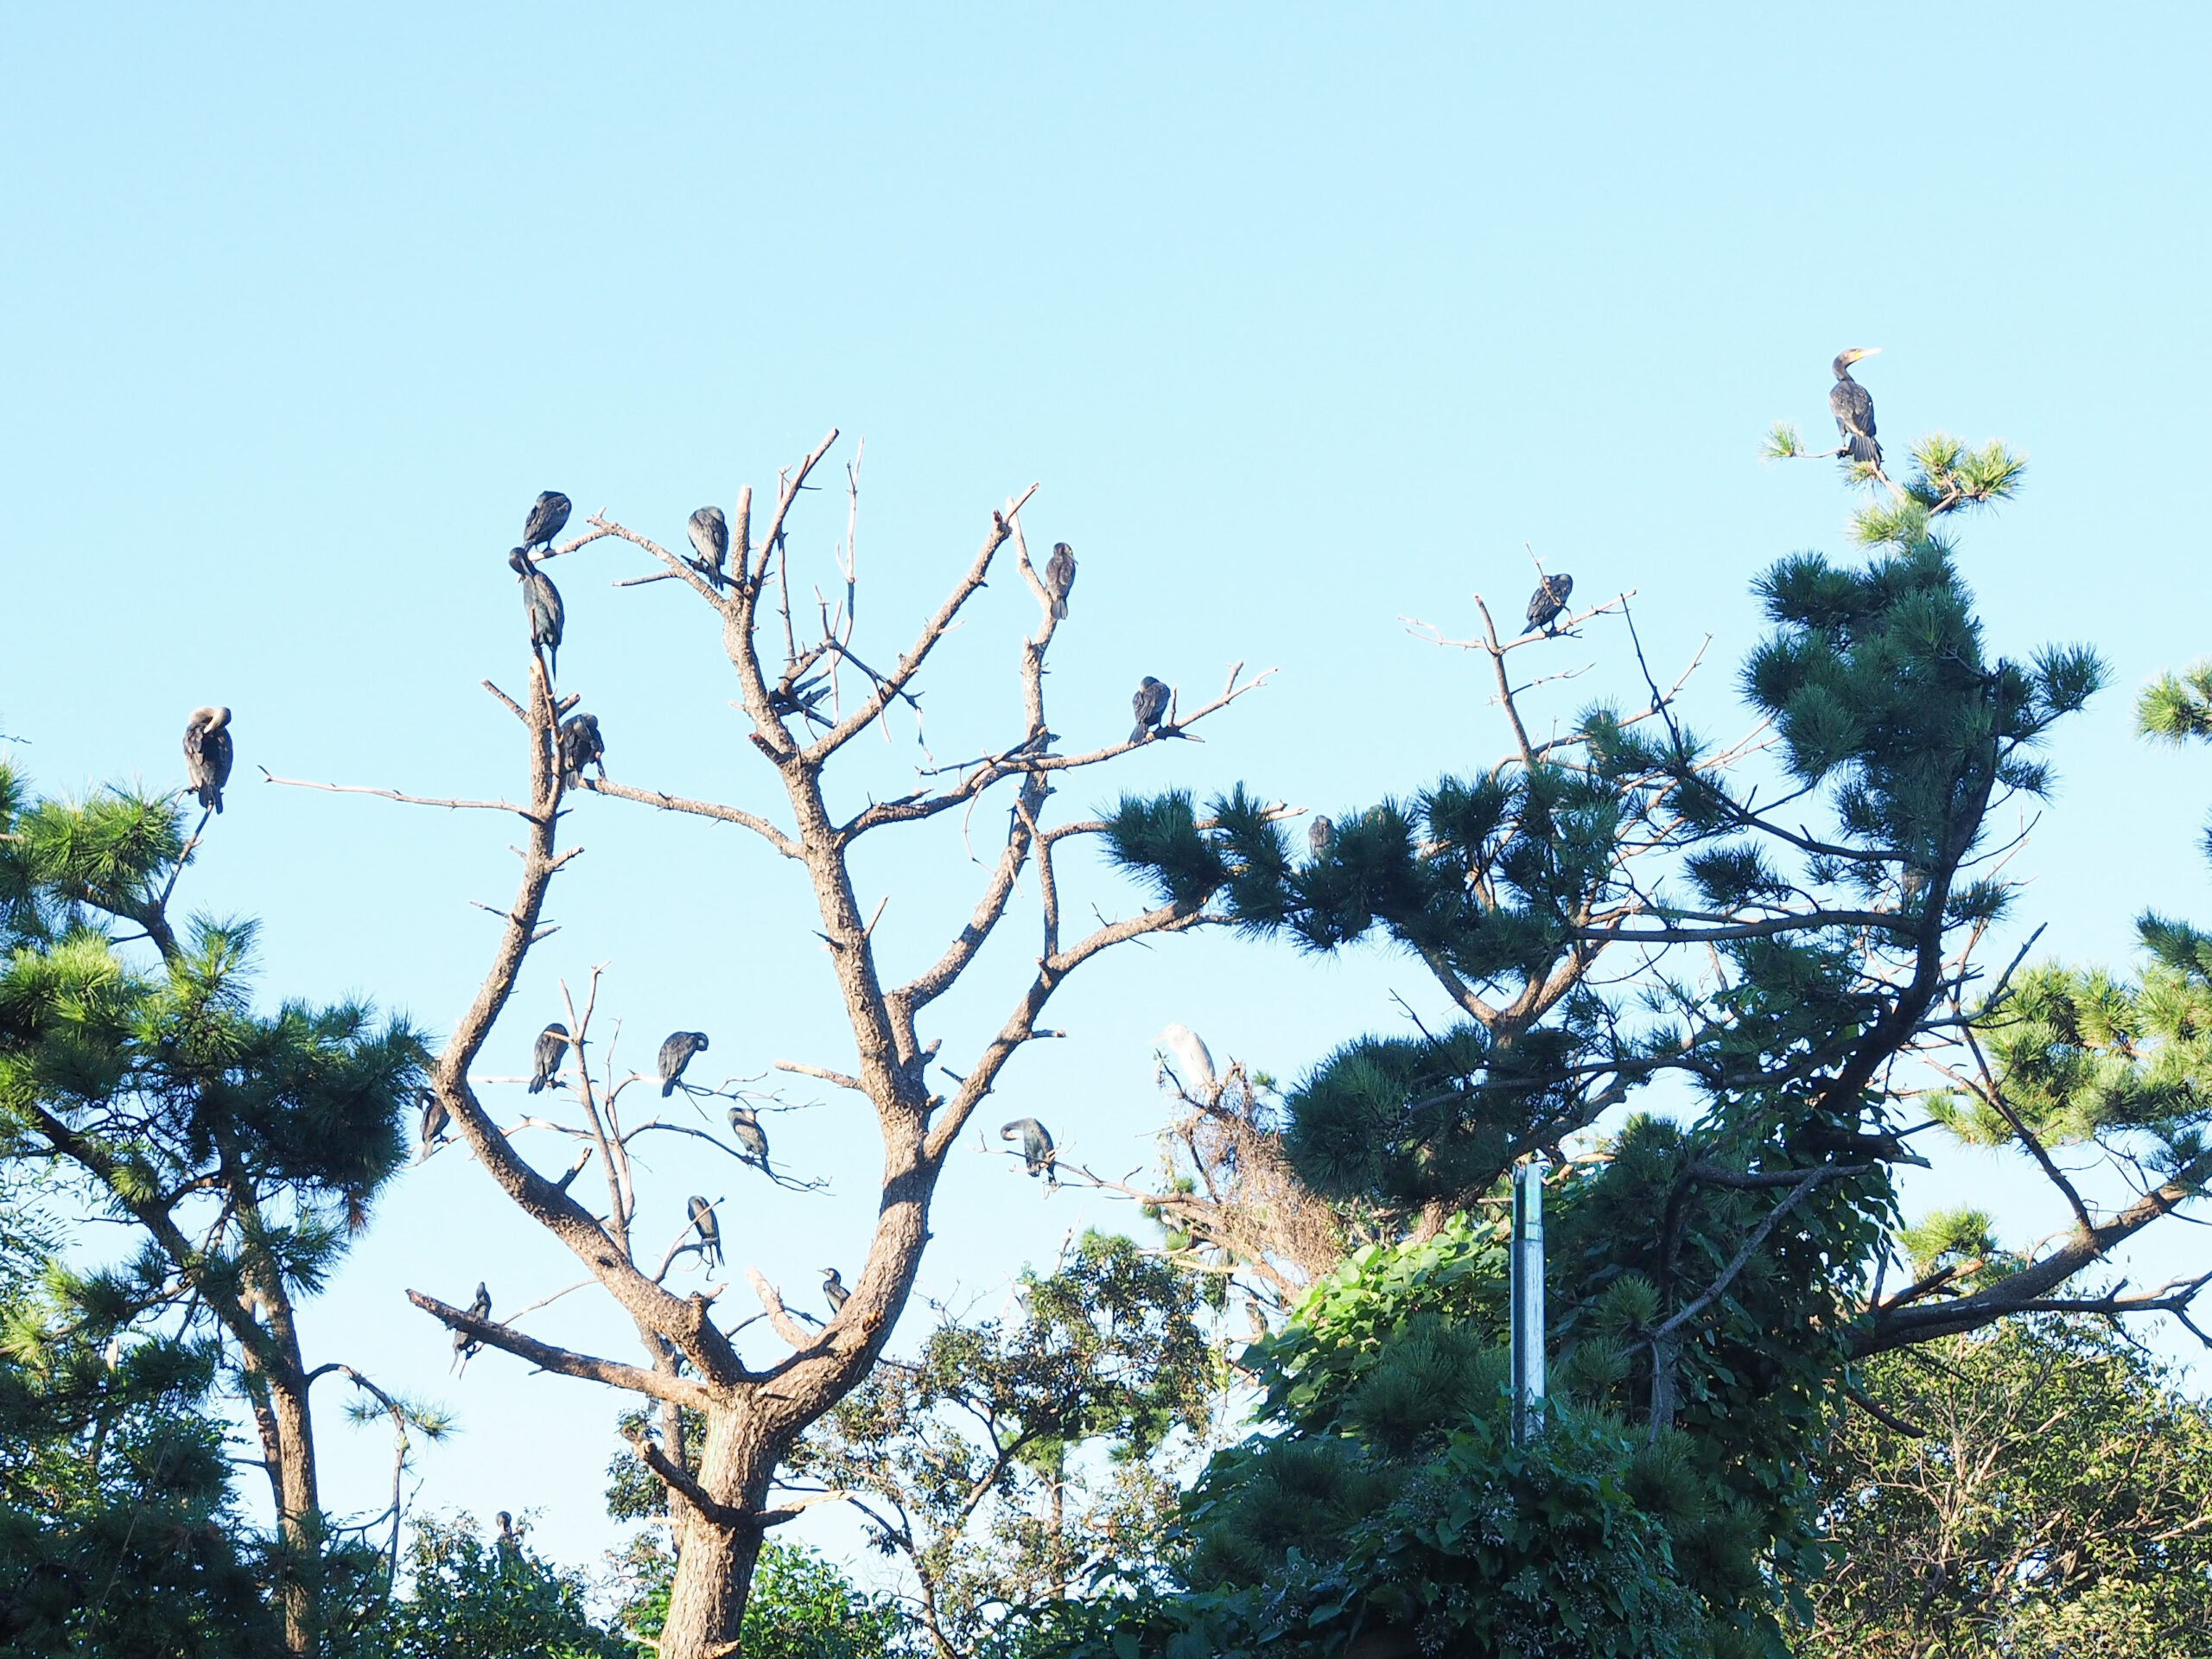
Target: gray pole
point(1528, 1306)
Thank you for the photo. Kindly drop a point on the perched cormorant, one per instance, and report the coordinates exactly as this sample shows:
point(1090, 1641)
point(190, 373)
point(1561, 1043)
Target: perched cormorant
point(1060, 577)
point(710, 1230)
point(750, 1136)
point(1319, 835)
point(711, 535)
point(1854, 409)
point(1549, 600)
point(1036, 1147)
point(580, 746)
point(510, 1538)
point(546, 1057)
point(546, 515)
point(541, 605)
point(463, 1343)
point(207, 754)
point(1150, 703)
point(676, 1052)
point(436, 1119)
point(834, 1291)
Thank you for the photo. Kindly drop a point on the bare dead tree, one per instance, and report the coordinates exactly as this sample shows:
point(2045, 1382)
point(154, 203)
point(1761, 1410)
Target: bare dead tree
point(803, 715)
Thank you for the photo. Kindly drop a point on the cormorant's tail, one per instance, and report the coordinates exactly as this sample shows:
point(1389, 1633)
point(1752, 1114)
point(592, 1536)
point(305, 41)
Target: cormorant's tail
point(1864, 448)
point(1059, 610)
point(1137, 737)
point(536, 1083)
point(668, 1088)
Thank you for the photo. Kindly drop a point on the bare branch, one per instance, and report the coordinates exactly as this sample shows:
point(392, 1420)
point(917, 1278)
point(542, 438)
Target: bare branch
point(759, 826)
point(563, 1361)
point(778, 1318)
point(267, 776)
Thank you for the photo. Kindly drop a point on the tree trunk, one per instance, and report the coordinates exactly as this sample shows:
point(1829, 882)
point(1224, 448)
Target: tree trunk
point(714, 1560)
point(300, 1518)
point(276, 1383)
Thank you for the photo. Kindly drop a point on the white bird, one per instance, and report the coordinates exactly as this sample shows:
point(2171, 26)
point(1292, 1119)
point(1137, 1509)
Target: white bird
point(1190, 1052)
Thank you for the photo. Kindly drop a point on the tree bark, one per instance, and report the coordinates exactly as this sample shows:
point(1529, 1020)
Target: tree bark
point(715, 1553)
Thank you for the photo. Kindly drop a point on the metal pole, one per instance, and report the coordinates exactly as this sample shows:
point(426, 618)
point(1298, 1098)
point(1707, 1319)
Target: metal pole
point(1527, 1303)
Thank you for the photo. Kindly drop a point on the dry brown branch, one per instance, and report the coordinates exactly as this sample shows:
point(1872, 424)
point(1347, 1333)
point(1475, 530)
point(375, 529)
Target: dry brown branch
point(267, 776)
point(563, 1361)
point(778, 1318)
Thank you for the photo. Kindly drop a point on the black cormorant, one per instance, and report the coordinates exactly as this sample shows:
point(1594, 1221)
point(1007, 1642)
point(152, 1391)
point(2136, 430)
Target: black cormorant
point(1854, 409)
point(436, 1119)
point(1549, 600)
point(546, 515)
point(1060, 577)
point(463, 1343)
point(1036, 1147)
point(580, 746)
point(750, 1136)
point(834, 1291)
point(541, 604)
point(675, 1052)
point(1319, 835)
point(546, 1057)
point(710, 536)
point(1149, 705)
point(710, 1230)
point(207, 754)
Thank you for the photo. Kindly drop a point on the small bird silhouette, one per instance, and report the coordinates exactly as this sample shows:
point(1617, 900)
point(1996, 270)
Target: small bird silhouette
point(834, 1291)
point(1060, 577)
point(710, 1230)
point(675, 1052)
point(1319, 835)
point(750, 1136)
point(436, 1119)
point(1036, 1151)
point(547, 516)
point(463, 1343)
point(1853, 407)
point(711, 537)
point(541, 607)
point(207, 754)
point(551, 1049)
point(1149, 705)
point(1549, 600)
point(581, 745)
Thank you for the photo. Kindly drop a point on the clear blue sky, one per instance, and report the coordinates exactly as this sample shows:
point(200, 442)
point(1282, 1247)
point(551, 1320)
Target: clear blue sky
point(1305, 318)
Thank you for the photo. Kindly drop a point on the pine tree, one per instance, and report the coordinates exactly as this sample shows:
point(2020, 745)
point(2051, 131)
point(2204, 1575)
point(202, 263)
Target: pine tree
point(246, 1149)
point(1800, 944)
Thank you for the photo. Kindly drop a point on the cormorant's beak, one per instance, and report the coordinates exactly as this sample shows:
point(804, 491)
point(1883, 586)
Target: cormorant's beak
point(1867, 351)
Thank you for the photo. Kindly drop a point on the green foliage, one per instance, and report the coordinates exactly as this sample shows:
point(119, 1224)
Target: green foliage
point(2082, 1056)
point(1706, 1277)
point(472, 1597)
point(118, 1533)
point(2059, 1501)
point(2175, 708)
point(801, 1606)
point(1008, 1463)
point(243, 1148)
point(1395, 1498)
